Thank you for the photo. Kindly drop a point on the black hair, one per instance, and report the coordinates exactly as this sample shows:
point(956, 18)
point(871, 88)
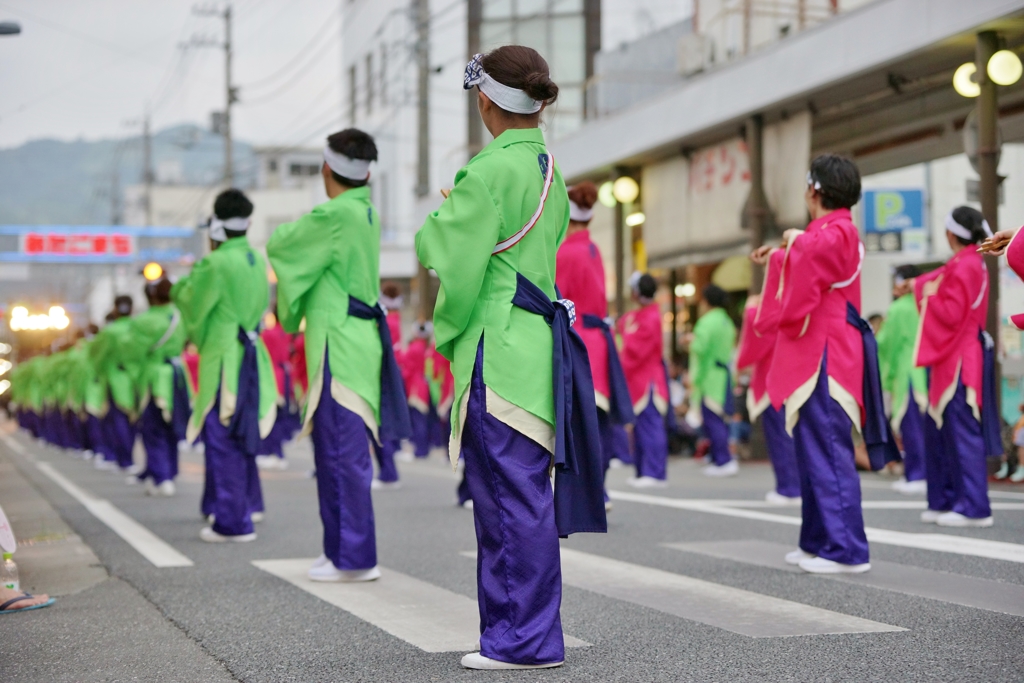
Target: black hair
point(122, 305)
point(232, 203)
point(715, 296)
point(647, 286)
point(158, 292)
point(521, 67)
point(875, 316)
point(907, 271)
point(355, 144)
point(839, 180)
point(973, 221)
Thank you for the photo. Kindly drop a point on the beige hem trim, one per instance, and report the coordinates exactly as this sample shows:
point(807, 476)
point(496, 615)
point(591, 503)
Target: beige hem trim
point(521, 420)
point(846, 400)
point(602, 401)
point(972, 401)
point(714, 407)
point(798, 398)
point(418, 405)
point(755, 408)
point(947, 395)
point(455, 440)
point(660, 404)
point(350, 400)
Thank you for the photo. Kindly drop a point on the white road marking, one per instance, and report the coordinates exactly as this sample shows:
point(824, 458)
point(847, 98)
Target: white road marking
point(945, 543)
point(866, 505)
point(995, 596)
point(429, 617)
point(15, 446)
point(732, 609)
point(148, 544)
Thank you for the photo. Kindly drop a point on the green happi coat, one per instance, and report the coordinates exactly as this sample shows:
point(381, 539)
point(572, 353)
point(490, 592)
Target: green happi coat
point(896, 342)
point(494, 196)
point(714, 338)
point(118, 372)
point(320, 260)
point(157, 336)
point(225, 290)
point(94, 387)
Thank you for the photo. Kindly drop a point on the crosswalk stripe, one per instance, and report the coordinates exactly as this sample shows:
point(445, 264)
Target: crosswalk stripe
point(429, 617)
point(995, 596)
point(148, 544)
point(732, 609)
point(945, 543)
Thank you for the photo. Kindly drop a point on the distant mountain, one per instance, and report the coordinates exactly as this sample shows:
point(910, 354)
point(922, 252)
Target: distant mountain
point(70, 183)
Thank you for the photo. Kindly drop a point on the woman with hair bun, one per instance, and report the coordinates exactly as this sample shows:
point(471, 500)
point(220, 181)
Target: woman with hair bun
point(520, 371)
point(953, 345)
point(580, 278)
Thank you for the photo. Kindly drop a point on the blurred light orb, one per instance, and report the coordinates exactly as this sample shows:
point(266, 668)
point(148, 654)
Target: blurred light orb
point(625, 189)
point(685, 290)
point(152, 272)
point(963, 80)
point(1004, 68)
point(635, 219)
point(606, 194)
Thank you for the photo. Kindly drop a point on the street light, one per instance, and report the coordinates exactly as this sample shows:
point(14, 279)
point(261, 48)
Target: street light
point(625, 190)
point(606, 194)
point(9, 28)
point(963, 80)
point(1004, 68)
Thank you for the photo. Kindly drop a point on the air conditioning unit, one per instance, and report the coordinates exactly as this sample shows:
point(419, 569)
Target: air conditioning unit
point(692, 54)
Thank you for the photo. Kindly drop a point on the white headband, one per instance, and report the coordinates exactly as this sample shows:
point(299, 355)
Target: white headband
point(962, 232)
point(390, 304)
point(346, 167)
point(510, 99)
point(217, 227)
point(579, 214)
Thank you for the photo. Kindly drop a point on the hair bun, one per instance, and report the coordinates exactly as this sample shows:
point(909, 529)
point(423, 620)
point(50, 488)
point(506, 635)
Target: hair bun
point(539, 86)
point(583, 194)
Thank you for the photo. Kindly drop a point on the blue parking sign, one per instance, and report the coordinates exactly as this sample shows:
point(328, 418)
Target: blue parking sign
point(893, 210)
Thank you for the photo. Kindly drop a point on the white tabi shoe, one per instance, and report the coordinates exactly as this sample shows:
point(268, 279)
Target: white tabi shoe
point(955, 519)
point(931, 516)
point(910, 488)
point(615, 464)
point(475, 660)
point(465, 505)
point(819, 565)
point(257, 517)
point(729, 469)
point(797, 556)
point(320, 561)
point(378, 485)
point(404, 456)
point(210, 536)
point(165, 489)
point(132, 480)
point(1003, 472)
point(776, 498)
point(102, 464)
point(1018, 475)
point(647, 483)
point(608, 507)
point(328, 572)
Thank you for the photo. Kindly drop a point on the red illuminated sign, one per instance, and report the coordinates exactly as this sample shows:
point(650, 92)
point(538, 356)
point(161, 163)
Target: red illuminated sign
point(77, 244)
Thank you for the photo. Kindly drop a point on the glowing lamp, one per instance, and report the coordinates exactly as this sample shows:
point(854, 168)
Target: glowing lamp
point(4, 386)
point(606, 194)
point(1004, 68)
point(963, 80)
point(635, 219)
point(152, 272)
point(686, 290)
point(625, 189)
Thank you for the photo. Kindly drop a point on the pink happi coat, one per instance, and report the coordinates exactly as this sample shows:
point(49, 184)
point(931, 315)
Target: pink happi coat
point(1015, 259)
point(951, 320)
point(579, 275)
point(414, 373)
point(641, 356)
point(394, 319)
point(279, 347)
point(757, 340)
point(443, 373)
point(820, 275)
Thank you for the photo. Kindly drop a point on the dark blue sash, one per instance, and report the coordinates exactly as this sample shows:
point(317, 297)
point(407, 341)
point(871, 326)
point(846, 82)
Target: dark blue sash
point(877, 432)
point(394, 411)
point(579, 470)
point(244, 427)
point(729, 404)
point(670, 414)
point(180, 411)
point(620, 406)
point(990, 426)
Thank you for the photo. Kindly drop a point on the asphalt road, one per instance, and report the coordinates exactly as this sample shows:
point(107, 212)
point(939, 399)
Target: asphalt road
point(688, 589)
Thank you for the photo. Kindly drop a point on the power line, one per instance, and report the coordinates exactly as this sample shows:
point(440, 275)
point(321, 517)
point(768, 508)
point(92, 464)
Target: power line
point(303, 53)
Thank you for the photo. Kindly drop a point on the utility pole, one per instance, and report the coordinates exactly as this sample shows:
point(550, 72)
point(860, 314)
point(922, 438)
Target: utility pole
point(147, 167)
point(620, 254)
point(421, 14)
point(988, 161)
point(474, 127)
point(757, 209)
point(231, 92)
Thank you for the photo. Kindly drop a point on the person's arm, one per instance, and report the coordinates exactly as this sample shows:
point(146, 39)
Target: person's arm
point(196, 296)
point(456, 242)
point(299, 259)
point(769, 307)
point(816, 261)
point(951, 299)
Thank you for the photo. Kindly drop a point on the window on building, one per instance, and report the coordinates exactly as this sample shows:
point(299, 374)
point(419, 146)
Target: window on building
point(352, 95)
point(272, 165)
point(369, 84)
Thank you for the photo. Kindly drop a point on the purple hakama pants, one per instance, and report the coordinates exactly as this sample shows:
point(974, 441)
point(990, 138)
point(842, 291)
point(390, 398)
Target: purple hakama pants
point(161, 445)
point(344, 472)
point(717, 431)
point(519, 576)
point(420, 432)
point(833, 524)
point(120, 433)
point(781, 451)
point(230, 474)
point(912, 431)
point(650, 441)
point(385, 454)
point(962, 463)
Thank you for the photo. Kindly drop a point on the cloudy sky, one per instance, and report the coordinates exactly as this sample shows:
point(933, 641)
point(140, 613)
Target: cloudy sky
point(89, 68)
